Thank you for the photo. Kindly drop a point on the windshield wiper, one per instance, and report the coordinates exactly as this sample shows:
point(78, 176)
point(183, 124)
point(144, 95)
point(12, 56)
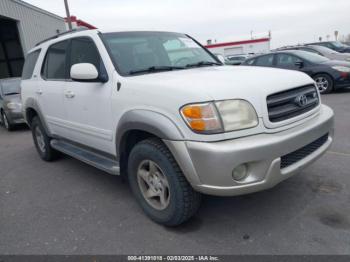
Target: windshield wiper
point(155, 69)
point(12, 93)
point(203, 63)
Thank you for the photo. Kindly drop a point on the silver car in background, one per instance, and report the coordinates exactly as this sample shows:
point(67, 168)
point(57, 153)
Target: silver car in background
point(322, 51)
point(10, 103)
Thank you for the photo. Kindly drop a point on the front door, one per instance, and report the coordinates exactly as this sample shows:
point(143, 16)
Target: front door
point(88, 104)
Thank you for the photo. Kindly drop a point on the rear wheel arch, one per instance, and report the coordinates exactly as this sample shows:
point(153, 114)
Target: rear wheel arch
point(30, 114)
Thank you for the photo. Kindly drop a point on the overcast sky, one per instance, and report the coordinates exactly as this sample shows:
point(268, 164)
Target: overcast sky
point(290, 21)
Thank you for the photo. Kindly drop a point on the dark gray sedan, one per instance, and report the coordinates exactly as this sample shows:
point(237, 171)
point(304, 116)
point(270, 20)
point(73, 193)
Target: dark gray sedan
point(10, 103)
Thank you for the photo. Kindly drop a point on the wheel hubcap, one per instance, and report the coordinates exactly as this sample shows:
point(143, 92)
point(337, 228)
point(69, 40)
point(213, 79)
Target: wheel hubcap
point(153, 184)
point(40, 139)
point(322, 83)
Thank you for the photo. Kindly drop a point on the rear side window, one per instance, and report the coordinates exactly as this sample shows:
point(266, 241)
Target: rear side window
point(266, 60)
point(29, 64)
point(55, 61)
point(83, 50)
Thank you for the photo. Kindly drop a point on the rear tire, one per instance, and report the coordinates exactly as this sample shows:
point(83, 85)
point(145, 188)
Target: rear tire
point(154, 176)
point(324, 82)
point(6, 122)
point(42, 141)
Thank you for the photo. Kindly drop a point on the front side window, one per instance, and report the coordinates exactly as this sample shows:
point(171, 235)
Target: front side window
point(29, 64)
point(266, 60)
point(83, 50)
point(55, 61)
point(285, 60)
point(134, 52)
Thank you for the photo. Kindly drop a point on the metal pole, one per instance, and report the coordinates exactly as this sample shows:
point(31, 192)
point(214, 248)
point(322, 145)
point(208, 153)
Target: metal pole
point(68, 15)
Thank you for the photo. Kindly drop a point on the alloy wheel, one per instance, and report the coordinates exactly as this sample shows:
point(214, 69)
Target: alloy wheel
point(153, 184)
point(40, 139)
point(322, 83)
point(6, 122)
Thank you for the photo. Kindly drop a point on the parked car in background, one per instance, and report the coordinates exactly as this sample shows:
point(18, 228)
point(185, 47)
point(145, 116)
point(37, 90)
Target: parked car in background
point(328, 74)
point(334, 45)
point(236, 59)
point(10, 103)
point(320, 50)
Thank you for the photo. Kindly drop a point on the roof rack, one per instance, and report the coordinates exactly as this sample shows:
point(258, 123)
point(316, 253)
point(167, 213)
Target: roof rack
point(64, 33)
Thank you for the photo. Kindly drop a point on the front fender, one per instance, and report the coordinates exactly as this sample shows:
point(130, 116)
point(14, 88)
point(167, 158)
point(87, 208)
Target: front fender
point(149, 121)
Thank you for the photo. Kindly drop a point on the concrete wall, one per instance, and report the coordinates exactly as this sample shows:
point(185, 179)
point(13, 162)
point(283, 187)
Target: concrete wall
point(34, 24)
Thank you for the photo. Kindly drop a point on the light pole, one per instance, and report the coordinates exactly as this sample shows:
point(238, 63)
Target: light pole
point(68, 14)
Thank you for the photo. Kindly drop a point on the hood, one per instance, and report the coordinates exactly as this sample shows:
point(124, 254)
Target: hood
point(13, 98)
point(340, 56)
point(337, 63)
point(250, 83)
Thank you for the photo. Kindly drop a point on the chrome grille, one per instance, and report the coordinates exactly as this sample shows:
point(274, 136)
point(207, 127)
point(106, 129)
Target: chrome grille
point(291, 103)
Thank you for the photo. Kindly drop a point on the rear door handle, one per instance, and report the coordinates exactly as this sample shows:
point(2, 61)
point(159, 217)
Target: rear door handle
point(69, 94)
point(39, 92)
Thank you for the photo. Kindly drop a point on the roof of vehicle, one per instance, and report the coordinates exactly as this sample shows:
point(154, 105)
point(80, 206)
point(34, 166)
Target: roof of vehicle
point(87, 31)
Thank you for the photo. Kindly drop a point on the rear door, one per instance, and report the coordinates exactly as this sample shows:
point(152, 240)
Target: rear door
point(54, 74)
point(88, 104)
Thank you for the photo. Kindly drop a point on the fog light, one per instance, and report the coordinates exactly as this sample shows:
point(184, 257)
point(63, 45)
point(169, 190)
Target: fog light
point(240, 172)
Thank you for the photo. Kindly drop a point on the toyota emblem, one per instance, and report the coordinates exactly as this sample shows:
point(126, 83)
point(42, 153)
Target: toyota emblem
point(301, 100)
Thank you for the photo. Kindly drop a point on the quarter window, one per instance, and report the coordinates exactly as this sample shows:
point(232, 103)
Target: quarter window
point(55, 61)
point(29, 64)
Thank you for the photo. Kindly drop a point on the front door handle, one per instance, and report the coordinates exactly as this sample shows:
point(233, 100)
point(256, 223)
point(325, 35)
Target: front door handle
point(39, 92)
point(69, 94)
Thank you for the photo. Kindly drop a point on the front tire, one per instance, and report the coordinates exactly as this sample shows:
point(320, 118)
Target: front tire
point(42, 141)
point(159, 185)
point(6, 122)
point(324, 82)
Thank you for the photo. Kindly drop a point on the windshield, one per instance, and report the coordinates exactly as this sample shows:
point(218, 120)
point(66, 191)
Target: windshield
point(149, 52)
point(311, 57)
point(323, 50)
point(338, 44)
point(10, 87)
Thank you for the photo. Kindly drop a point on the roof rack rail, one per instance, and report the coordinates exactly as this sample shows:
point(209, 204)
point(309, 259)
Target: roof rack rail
point(64, 33)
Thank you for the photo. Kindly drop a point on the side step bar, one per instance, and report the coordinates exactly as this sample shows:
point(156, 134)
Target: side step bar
point(94, 159)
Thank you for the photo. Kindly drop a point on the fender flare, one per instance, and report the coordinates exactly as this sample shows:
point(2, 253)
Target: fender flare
point(32, 103)
point(149, 121)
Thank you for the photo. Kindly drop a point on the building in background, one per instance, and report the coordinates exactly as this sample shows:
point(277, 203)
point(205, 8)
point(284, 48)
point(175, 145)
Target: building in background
point(22, 26)
point(252, 46)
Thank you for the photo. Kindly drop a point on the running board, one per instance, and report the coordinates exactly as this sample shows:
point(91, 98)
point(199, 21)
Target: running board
point(91, 158)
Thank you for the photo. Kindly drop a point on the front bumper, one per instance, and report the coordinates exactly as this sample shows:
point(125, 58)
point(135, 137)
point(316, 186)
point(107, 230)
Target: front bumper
point(15, 117)
point(208, 166)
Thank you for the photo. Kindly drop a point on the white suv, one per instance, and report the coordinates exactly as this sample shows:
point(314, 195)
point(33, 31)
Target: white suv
point(162, 110)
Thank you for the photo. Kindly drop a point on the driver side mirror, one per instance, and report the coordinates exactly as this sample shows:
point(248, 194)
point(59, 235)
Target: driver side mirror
point(86, 72)
point(299, 64)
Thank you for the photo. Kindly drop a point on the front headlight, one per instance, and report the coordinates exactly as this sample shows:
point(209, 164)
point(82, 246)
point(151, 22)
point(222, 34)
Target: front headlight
point(14, 106)
point(343, 69)
point(220, 116)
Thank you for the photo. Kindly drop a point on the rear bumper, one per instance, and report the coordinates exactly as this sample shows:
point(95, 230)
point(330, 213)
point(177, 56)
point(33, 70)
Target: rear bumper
point(208, 166)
